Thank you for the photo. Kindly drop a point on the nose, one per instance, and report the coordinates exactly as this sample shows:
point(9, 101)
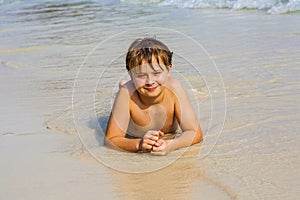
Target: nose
point(149, 80)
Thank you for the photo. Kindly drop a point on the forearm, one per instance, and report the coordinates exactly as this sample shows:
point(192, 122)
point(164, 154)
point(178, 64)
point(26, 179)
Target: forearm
point(187, 138)
point(122, 143)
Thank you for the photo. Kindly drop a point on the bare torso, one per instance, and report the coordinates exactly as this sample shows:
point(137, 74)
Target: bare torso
point(160, 116)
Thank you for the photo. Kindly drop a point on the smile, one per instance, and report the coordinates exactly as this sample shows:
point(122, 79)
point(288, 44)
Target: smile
point(151, 89)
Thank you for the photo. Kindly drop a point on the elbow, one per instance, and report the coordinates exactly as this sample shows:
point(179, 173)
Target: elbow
point(198, 136)
point(197, 139)
point(108, 142)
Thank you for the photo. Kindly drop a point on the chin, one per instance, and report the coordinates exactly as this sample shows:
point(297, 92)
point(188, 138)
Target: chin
point(151, 93)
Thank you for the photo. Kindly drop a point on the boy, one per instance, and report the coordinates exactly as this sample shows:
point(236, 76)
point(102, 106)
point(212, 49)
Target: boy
point(151, 105)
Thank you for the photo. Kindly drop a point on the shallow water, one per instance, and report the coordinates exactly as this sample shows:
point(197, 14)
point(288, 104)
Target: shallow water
point(61, 62)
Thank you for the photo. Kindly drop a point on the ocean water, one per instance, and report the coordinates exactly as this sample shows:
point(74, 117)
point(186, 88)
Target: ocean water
point(238, 60)
point(270, 6)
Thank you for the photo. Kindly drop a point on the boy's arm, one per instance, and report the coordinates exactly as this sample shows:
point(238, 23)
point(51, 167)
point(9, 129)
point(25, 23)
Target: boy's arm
point(186, 117)
point(118, 123)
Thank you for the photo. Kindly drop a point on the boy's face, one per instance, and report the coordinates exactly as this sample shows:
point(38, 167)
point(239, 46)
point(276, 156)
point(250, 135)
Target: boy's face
point(150, 81)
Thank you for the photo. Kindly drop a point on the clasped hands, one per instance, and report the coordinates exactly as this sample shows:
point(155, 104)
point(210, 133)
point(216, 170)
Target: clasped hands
point(151, 142)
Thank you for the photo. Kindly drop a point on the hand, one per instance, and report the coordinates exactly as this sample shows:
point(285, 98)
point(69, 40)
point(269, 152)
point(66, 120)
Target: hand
point(161, 147)
point(150, 138)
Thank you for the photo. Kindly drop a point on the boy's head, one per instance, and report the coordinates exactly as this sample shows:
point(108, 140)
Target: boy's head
point(148, 50)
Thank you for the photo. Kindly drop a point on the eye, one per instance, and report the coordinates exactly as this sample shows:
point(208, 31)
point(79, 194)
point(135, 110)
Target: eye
point(157, 73)
point(141, 76)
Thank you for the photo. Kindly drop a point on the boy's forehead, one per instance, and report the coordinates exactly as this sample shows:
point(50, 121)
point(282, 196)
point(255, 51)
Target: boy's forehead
point(146, 67)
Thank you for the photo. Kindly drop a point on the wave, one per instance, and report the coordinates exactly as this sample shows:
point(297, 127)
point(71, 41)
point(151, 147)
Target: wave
point(270, 6)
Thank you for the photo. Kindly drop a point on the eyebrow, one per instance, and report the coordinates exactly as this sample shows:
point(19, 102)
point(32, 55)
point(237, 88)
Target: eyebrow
point(157, 67)
point(140, 73)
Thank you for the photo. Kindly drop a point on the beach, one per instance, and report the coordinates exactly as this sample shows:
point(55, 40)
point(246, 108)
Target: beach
point(60, 64)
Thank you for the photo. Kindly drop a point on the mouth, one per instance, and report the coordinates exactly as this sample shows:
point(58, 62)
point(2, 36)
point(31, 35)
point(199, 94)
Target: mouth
point(151, 89)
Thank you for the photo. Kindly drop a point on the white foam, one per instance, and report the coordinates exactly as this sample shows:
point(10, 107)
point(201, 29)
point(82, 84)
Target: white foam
point(270, 6)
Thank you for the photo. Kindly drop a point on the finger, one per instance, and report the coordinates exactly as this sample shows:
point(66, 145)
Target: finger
point(147, 144)
point(149, 141)
point(147, 147)
point(159, 148)
point(154, 148)
point(151, 137)
point(159, 142)
point(154, 138)
point(151, 133)
point(160, 133)
point(156, 133)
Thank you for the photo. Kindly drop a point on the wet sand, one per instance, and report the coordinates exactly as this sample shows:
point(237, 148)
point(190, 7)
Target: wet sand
point(52, 149)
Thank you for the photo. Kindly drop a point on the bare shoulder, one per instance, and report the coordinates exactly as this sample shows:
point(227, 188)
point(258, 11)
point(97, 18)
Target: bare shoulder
point(126, 88)
point(174, 82)
point(176, 86)
point(122, 99)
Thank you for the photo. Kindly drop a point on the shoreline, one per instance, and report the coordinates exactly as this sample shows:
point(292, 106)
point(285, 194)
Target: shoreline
point(256, 156)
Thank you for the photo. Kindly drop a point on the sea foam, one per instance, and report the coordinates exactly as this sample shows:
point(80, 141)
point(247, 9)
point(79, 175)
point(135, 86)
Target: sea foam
point(270, 6)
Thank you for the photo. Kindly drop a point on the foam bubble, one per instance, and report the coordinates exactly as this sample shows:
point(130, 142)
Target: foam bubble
point(270, 6)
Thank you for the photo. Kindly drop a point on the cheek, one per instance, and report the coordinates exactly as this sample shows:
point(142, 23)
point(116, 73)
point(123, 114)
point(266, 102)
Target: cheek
point(162, 79)
point(138, 83)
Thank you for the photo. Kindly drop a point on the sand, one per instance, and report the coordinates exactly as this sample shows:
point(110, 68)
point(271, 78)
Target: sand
point(52, 115)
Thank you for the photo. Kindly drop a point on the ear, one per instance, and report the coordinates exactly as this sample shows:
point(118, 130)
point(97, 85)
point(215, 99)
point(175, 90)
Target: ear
point(169, 69)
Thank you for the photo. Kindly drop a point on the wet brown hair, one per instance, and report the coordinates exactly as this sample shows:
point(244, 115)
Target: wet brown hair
point(145, 49)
